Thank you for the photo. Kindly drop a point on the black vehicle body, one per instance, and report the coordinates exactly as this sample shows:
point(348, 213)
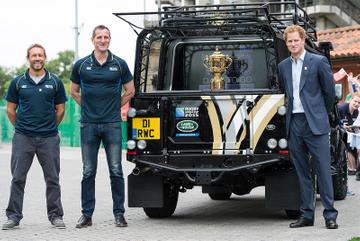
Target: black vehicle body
point(182, 134)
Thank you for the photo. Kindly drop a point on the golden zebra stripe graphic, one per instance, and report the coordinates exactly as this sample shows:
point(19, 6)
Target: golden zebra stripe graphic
point(229, 115)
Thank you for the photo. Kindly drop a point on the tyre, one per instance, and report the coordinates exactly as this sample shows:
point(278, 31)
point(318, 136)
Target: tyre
point(340, 177)
point(292, 214)
point(220, 196)
point(171, 195)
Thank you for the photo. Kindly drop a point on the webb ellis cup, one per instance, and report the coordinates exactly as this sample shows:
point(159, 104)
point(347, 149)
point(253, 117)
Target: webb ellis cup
point(217, 63)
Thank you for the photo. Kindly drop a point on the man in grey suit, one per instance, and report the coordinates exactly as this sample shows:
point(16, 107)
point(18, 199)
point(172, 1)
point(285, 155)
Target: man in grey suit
point(309, 86)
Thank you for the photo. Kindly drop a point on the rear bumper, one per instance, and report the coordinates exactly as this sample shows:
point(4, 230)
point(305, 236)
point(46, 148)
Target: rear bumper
point(207, 163)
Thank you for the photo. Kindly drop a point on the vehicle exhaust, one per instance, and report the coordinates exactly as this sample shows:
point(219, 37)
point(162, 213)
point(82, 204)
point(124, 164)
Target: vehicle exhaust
point(139, 170)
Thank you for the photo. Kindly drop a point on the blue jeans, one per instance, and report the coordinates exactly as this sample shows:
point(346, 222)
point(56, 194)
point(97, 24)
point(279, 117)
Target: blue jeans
point(92, 135)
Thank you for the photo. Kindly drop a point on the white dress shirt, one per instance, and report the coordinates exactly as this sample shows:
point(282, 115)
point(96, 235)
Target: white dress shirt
point(296, 67)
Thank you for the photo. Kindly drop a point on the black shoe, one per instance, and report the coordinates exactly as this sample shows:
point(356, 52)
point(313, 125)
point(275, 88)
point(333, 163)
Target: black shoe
point(84, 222)
point(351, 172)
point(357, 176)
point(331, 224)
point(120, 221)
point(302, 222)
point(10, 224)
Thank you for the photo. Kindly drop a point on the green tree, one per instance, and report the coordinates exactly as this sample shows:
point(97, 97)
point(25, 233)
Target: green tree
point(11, 74)
point(5, 77)
point(19, 70)
point(62, 65)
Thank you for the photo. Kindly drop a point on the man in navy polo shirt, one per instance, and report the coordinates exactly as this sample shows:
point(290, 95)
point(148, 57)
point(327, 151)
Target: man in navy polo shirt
point(35, 106)
point(97, 82)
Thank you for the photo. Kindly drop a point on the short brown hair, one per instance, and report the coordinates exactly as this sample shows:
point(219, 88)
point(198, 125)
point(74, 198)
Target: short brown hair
point(100, 27)
point(294, 28)
point(35, 46)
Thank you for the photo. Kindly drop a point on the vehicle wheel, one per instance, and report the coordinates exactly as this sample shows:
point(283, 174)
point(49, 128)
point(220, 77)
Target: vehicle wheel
point(220, 196)
point(292, 214)
point(242, 191)
point(171, 195)
point(340, 178)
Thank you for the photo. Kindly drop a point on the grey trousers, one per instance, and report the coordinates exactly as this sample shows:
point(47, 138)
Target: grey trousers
point(47, 151)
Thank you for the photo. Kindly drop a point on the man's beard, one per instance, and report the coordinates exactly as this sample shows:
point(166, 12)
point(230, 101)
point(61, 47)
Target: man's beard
point(38, 65)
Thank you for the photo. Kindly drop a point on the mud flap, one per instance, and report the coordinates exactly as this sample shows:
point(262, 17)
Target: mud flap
point(282, 191)
point(145, 191)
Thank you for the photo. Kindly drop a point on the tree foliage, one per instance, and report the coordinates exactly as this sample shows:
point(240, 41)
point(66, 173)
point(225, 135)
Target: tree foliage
point(5, 77)
point(61, 66)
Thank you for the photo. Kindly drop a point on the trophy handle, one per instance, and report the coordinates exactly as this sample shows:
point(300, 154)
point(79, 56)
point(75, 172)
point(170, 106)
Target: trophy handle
point(206, 62)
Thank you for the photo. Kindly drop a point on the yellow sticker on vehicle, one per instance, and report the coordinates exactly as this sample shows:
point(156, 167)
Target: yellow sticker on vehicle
point(146, 128)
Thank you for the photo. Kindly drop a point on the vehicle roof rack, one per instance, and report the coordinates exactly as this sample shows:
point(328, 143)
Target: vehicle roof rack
point(278, 15)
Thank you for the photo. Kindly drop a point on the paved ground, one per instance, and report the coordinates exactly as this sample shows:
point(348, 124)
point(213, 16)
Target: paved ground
point(196, 217)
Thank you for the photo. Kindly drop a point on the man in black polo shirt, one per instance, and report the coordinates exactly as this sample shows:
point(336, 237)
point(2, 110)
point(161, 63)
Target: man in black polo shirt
point(35, 106)
point(100, 77)
point(348, 114)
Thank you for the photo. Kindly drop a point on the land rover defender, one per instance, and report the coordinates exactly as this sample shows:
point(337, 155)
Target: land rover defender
point(209, 109)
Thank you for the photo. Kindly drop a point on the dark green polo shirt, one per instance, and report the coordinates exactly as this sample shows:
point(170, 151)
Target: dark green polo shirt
point(101, 87)
point(35, 114)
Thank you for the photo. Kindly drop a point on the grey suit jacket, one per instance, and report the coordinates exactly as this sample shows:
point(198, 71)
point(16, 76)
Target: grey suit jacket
point(317, 91)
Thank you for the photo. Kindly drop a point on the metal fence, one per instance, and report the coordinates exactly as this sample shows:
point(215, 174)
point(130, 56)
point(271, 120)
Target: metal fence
point(69, 129)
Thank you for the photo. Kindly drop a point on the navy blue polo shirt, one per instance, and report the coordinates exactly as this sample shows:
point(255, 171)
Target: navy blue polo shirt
point(101, 87)
point(35, 114)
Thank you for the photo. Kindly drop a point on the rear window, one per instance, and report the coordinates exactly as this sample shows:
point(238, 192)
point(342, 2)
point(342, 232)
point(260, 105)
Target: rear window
point(248, 69)
point(183, 69)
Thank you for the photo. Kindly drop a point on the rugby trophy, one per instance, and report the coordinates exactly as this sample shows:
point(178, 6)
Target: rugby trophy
point(217, 63)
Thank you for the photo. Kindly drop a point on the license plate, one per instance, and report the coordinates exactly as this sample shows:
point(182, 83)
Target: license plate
point(146, 128)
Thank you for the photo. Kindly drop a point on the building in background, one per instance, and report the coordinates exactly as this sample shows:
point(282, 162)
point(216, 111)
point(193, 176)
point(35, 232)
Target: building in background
point(346, 53)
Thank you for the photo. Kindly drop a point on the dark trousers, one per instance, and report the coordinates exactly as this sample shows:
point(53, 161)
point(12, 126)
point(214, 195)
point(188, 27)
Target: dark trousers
point(303, 144)
point(47, 151)
point(91, 137)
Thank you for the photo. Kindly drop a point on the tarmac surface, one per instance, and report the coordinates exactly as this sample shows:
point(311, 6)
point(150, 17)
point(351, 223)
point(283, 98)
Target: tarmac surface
point(197, 217)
